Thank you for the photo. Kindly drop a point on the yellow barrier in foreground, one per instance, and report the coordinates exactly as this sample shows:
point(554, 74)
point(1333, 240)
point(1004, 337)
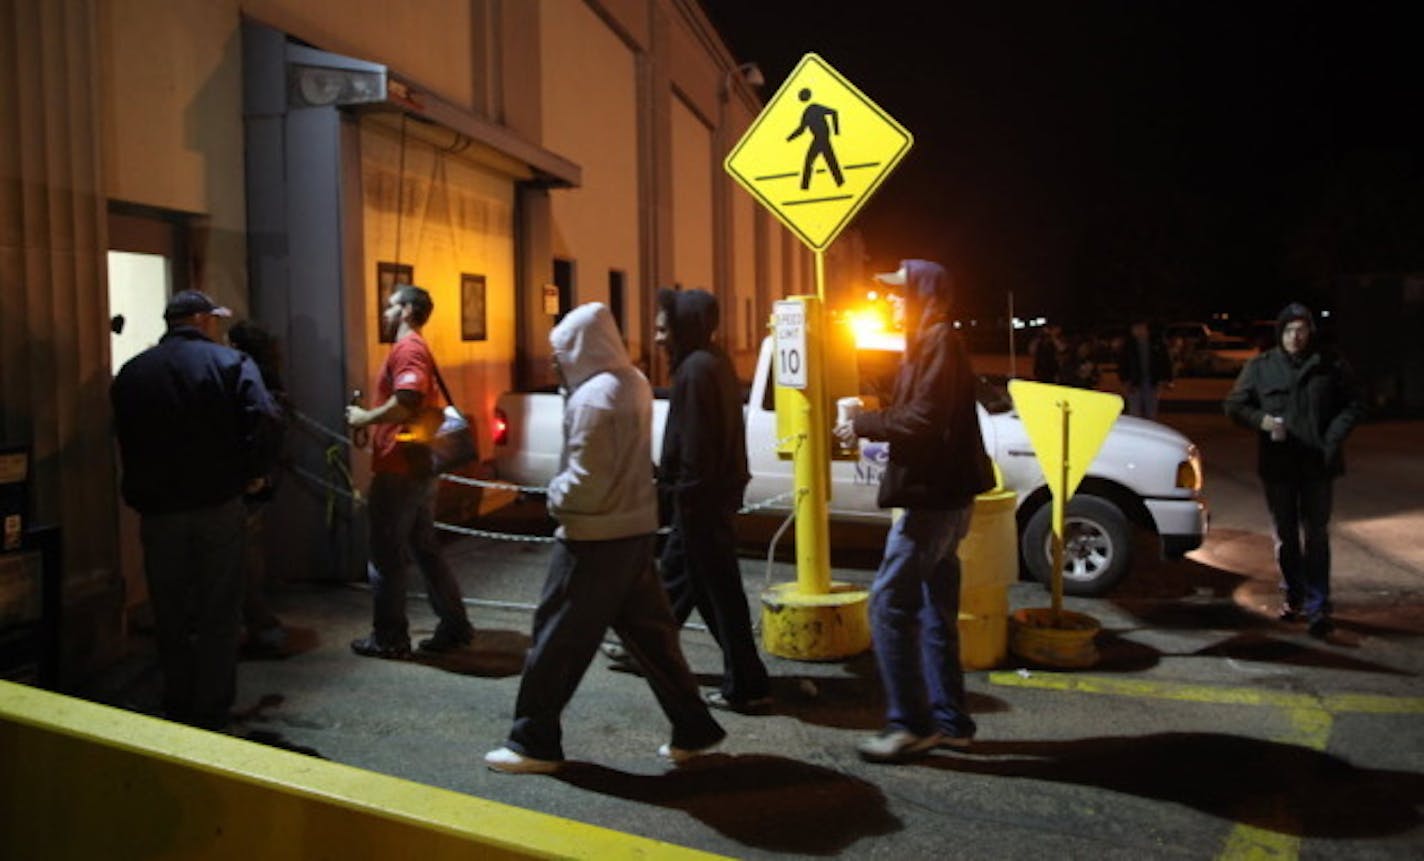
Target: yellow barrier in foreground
point(81, 780)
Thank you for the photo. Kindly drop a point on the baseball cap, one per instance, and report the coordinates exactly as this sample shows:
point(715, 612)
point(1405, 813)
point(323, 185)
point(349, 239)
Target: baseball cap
point(892, 279)
point(186, 303)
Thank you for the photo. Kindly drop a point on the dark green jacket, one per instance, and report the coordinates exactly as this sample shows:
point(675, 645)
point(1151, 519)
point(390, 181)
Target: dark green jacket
point(1318, 399)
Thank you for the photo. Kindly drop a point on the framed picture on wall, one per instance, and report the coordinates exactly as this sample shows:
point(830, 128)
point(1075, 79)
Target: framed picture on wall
point(388, 275)
point(472, 307)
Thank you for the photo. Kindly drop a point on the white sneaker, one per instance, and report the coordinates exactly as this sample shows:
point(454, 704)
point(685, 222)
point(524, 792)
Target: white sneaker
point(679, 755)
point(508, 761)
point(898, 745)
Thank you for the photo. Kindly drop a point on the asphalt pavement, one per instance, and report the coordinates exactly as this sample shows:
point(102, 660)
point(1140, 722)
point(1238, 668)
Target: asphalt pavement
point(1207, 729)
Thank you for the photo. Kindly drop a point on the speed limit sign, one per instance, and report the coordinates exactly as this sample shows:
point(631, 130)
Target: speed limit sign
point(790, 345)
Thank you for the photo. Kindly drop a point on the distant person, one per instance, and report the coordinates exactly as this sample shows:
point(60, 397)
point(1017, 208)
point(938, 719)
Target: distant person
point(196, 430)
point(1080, 369)
point(264, 633)
point(601, 572)
point(1047, 352)
point(703, 471)
point(937, 465)
point(1145, 368)
point(401, 500)
point(1303, 402)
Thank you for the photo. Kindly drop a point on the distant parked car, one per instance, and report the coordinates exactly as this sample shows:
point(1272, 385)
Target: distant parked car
point(1197, 350)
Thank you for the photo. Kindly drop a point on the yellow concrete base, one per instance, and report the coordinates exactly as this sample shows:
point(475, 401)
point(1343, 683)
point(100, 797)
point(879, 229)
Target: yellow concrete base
point(1065, 641)
point(815, 627)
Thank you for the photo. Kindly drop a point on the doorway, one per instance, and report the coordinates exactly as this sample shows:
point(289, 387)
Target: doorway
point(148, 261)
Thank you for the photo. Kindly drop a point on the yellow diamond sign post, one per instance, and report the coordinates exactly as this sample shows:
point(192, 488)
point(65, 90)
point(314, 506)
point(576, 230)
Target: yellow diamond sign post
point(1067, 426)
point(816, 153)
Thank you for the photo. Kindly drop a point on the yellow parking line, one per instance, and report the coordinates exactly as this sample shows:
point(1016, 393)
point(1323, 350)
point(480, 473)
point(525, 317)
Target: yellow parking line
point(1311, 719)
point(1221, 695)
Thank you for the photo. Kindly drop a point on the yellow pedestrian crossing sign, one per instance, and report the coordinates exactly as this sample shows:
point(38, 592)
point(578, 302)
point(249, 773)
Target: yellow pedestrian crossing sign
point(818, 150)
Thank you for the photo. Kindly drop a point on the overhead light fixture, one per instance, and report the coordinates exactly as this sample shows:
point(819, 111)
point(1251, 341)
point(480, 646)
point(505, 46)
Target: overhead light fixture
point(750, 73)
point(322, 86)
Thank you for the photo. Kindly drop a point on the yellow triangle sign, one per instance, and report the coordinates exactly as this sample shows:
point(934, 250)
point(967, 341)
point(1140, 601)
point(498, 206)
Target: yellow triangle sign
point(1044, 409)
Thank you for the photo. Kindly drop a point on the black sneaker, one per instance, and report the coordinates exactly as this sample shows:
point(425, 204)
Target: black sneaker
point(442, 642)
point(368, 647)
point(1321, 627)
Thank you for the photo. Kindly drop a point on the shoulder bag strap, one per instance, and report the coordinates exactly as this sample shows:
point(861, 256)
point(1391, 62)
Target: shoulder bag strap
point(434, 366)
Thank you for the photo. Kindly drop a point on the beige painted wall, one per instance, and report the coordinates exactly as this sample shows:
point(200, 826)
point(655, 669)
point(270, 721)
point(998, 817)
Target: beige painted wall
point(171, 109)
point(691, 198)
point(458, 218)
point(589, 95)
point(430, 41)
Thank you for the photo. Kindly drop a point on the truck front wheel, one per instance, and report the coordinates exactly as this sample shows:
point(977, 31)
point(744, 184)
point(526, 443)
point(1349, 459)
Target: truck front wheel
point(1097, 545)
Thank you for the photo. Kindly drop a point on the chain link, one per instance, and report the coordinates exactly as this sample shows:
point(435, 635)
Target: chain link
point(355, 498)
point(496, 485)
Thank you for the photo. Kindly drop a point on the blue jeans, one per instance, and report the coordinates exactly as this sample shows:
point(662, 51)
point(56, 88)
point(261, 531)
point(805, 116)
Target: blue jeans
point(193, 563)
point(402, 512)
point(592, 586)
point(1300, 516)
point(914, 618)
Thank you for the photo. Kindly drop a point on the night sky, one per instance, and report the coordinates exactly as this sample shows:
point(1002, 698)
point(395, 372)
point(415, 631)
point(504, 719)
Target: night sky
point(1105, 159)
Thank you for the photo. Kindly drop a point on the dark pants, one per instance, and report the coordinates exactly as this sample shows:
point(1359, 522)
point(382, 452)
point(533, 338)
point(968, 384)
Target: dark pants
point(193, 563)
point(257, 616)
point(700, 571)
point(591, 586)
point(401, 509)
point(1300, 515)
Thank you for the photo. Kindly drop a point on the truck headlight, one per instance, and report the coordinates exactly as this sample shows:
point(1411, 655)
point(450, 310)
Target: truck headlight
point(1189, 474)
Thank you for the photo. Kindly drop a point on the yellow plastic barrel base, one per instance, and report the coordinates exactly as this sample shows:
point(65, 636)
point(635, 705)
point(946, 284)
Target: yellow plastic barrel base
point(983, 639)
point(1065, 641)
point(815, 627)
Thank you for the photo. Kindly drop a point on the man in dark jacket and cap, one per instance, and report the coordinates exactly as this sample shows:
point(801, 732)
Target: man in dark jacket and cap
point(703, 473)
point(1303, 403)
point(937, 466)
point(197, 430)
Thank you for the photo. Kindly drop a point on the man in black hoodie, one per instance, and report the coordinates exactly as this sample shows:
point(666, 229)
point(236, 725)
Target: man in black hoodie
point(1303, 403)
point(937, 466)
point(703, 473)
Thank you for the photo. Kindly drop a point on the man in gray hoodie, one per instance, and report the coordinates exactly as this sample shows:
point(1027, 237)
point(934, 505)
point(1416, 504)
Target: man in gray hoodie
point(601, 573)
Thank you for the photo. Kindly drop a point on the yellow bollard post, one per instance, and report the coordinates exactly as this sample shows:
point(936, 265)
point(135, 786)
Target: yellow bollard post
point(813, 618)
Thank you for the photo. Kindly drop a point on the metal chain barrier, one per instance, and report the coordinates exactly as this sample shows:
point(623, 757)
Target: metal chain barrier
point(333, 460)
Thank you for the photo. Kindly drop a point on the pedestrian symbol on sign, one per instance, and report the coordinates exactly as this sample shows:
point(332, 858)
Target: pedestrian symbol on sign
point(821, 122)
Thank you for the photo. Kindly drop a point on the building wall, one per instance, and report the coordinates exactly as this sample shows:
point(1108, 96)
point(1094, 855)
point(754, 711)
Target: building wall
point(140, 101)
point(171, 109)
point(691, 198)
point(590, 99)
point(431, 41)
point(457, 219)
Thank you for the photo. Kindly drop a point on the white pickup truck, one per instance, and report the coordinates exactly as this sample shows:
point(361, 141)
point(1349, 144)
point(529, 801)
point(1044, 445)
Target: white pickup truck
point(1146, 474)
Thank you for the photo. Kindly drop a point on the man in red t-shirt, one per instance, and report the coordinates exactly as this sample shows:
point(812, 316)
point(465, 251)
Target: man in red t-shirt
point(402, 495)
